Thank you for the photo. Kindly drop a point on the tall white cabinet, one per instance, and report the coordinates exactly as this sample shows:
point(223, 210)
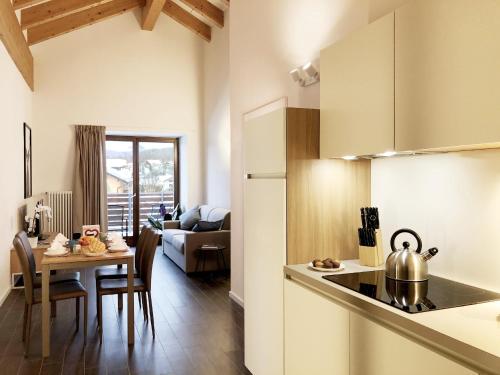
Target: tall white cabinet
point(264, 240)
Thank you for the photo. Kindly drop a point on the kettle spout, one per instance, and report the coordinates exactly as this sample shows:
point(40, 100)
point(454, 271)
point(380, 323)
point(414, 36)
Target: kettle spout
point(429, 254)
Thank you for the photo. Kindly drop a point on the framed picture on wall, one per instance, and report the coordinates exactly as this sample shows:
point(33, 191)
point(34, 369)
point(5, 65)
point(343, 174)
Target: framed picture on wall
point(27, 162)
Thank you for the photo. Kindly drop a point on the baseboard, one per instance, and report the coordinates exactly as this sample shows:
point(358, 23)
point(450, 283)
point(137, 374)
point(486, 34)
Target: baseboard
point(4, 297)
point(236, 298)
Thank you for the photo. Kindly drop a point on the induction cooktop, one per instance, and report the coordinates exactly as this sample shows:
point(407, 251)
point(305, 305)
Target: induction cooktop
point(436, 293)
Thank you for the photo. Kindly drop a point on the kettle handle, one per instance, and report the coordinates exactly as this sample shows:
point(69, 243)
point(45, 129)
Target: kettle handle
point(405, 230)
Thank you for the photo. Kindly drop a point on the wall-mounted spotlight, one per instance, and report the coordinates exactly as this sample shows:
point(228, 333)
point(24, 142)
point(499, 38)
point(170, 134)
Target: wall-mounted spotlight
point(305, 75)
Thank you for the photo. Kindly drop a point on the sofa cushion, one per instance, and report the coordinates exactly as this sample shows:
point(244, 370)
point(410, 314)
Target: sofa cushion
point(168, 234)
point(208, 226)
point(189, 218)
point(178, 243)
point(210, 213)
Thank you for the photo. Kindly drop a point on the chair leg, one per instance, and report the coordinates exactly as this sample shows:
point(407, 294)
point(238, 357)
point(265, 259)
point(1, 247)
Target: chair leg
point(77, 313)
point(85, 315)
point(25, 316)
point(28, 330)
point(198, 261)
point(151, 313)
point(120, 301)
point(144, 306)
point(99, 314)
point(139, 299)
point(53, 309)
point(223, 260)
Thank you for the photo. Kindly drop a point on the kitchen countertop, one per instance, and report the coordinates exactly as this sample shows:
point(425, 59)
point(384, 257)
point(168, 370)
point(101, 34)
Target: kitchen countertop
point(468, 334)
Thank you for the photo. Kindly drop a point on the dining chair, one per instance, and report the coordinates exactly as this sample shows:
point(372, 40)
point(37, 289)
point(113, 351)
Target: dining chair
point(58, 291)
point(54, 278)
point(142, 283)
point(120, 272)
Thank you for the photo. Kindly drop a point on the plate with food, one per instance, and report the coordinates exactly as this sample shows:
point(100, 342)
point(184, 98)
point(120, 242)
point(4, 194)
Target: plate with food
point(326, 265)
point(92, 247)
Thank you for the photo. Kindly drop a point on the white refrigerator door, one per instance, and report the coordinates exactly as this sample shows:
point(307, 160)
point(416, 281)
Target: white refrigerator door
point(264, 257)
point(265, 143)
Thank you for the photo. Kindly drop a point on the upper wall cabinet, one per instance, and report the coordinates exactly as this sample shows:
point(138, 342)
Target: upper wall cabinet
point(426, 77)
point(447, 74)
point(357, 92)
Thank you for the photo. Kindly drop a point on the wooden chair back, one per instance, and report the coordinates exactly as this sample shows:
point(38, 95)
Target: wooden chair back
point(140, 247)
point(28, 265)
point(148, 258)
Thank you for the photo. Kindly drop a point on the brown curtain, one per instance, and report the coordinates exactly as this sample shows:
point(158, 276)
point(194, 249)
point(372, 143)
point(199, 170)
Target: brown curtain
point(89, 184)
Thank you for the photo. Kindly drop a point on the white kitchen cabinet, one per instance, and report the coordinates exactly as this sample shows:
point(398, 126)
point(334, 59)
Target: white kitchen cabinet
point(265, 143)
point(425, 77)
point(264, 257)
point(316, 333)
point(375, 350)
point(357, 92)
point(447, 70)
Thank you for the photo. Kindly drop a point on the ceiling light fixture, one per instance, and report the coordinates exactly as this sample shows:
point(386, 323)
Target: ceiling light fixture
point(305, 75)
point(387, 154)
point(350, 157)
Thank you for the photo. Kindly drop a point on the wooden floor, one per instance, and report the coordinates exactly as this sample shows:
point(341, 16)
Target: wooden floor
point(199, 330)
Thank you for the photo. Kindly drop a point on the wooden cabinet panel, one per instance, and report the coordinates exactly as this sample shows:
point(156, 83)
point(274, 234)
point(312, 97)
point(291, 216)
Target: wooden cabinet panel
point(375, 350)
point(316, 333)
point(323, 196)
point(357, 92)
point(447, 73)
point(265, 143)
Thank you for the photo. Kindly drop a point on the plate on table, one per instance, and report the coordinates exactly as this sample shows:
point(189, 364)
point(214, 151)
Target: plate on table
point(320, 269)
point(118, 249)
point(56, 253)
point(90, 254)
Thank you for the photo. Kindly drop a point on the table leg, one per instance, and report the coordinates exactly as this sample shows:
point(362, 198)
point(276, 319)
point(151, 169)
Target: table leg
point(45, 311)
point(130, 300)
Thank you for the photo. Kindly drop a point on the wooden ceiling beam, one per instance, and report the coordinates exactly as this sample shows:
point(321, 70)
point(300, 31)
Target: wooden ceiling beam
point(81, 19)
point(20, 4)
point(206, 10)
point(54, 9)
point(150, 13)
point(185, 18)
point(12, 37)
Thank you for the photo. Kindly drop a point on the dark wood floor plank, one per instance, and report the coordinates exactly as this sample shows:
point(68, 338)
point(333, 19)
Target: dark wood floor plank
point(199, 330)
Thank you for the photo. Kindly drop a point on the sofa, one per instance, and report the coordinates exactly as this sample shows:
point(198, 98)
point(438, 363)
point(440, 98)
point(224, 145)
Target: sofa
point(181, 246)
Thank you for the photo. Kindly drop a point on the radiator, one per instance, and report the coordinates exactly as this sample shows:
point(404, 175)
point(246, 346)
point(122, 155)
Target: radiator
point(61, 203)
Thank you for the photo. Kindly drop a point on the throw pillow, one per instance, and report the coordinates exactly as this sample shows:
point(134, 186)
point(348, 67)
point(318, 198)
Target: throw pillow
point(208, 226)
point(190, 218)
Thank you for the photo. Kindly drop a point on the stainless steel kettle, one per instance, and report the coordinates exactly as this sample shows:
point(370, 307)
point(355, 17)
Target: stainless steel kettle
point(406, 264)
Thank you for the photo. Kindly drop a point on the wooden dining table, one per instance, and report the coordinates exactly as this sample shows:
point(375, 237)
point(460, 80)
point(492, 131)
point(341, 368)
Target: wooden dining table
point(78, 261)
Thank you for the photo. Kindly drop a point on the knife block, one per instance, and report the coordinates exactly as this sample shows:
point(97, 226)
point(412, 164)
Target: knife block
point(372, 256)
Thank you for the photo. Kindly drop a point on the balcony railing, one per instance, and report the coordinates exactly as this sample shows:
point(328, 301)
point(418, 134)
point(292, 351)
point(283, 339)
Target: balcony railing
point(120, 209)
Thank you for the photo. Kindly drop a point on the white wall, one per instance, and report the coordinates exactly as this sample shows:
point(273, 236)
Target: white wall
point(129, 80)
point(217, 130)
point(452, 201)
point(267, 40)
point(16, 101)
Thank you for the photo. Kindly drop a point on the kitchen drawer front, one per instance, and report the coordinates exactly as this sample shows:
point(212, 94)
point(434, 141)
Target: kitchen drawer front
point(375, 350)
point(316, 333)
point(357, 92)
point(447, 71)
